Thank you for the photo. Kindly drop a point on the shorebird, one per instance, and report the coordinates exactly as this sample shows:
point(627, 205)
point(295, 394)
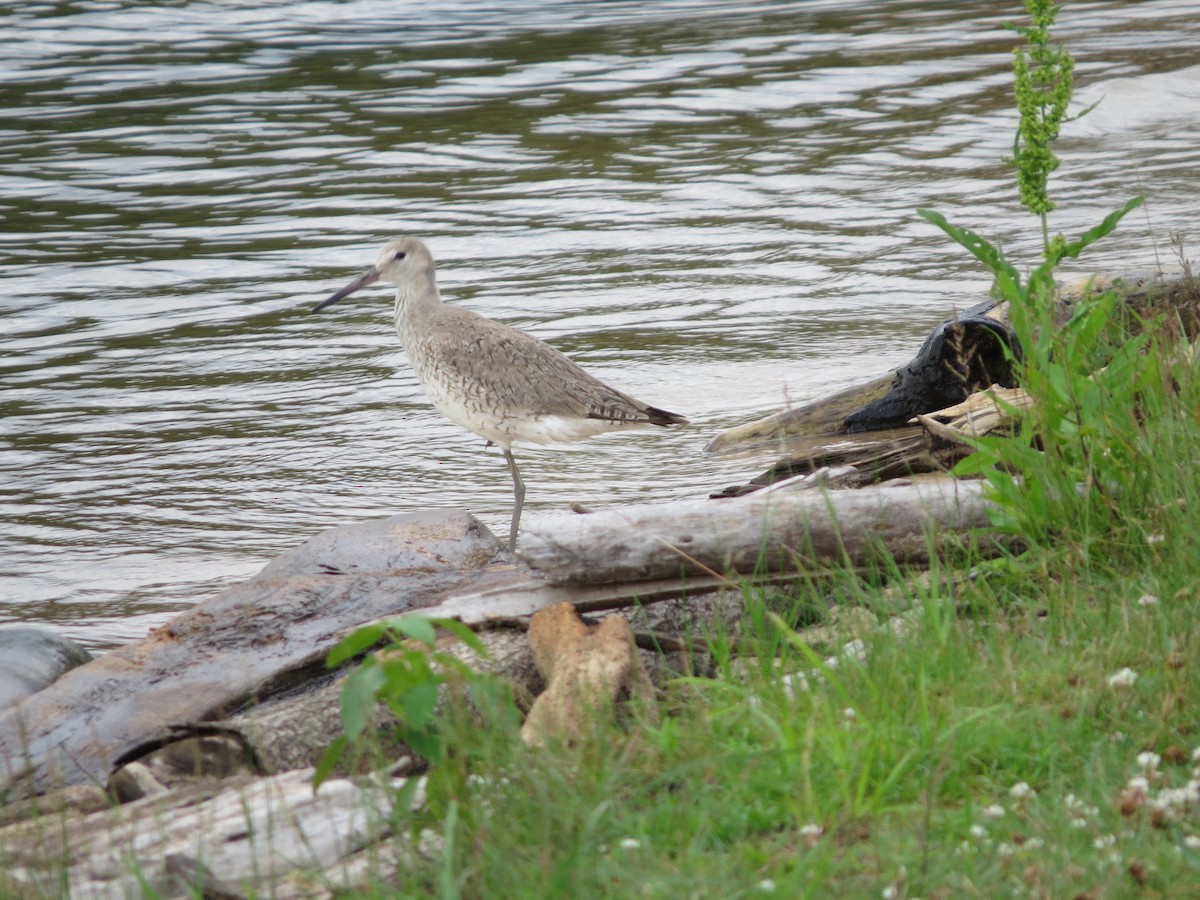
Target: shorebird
point(500, 383)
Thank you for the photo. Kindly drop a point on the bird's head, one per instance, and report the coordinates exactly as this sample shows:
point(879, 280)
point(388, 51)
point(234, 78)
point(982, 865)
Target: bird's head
point(404, 262)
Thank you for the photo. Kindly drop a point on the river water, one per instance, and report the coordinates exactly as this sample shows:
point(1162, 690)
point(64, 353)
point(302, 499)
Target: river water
point(709, 205)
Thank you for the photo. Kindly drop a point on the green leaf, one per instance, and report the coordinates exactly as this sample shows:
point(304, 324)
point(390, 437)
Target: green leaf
point(416, 627)
point(463, 633)
point(328, 760)
point(1084, 112)
point(1105, 227)
point(902, 766)
point(1008, 280)
point(419, 703)
point(405, 795)
point(358, 641)
point(976, 464)
point(359, 696)
point(1060, 383)
point(427, 743)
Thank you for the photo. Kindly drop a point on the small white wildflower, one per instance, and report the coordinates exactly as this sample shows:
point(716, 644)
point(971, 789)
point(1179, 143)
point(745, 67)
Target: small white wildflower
point(1033, 843)
point(1148, 762)
point(978, 832)
point(849, 714)
point(1192, 841)
point(630, 843)
point(1138, 783)
point(1147, 600)
point(430, 844)
point(1163, 805)
point(891, 892)
point(964, 848)
point(1077, 806)
point(766, 886)
point(855, 649)
point(831, 662)
point(900, 627)
point(995, 811)
point(1079, 822)
point(811, 829)
point(794, 683)
point(1155, 538)
point(1123, 679)
point(1169, 799)
point(1021, 791)
point(1105, 840)
point(1005, 850)
point(1117, 737)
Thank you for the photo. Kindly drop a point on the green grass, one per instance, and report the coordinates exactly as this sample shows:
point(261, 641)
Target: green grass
point(894, 769)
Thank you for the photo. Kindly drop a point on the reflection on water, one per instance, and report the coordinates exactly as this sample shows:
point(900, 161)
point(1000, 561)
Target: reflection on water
point(708, 205)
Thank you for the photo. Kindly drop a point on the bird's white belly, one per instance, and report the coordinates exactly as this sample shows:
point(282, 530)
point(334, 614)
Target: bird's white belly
point(506, 427)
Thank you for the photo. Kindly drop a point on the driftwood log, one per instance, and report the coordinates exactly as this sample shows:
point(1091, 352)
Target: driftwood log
point(271, 633)
point(964, 354)
point(934, 443)
point(255, 640)
point(238, 839)
point(769, 531)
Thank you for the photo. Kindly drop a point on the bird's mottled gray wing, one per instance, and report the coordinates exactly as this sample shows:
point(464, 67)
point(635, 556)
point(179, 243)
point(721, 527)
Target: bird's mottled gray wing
point(488, 358)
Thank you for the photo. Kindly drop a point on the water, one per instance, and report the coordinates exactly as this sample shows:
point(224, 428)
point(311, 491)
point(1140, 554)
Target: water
point(708, 205)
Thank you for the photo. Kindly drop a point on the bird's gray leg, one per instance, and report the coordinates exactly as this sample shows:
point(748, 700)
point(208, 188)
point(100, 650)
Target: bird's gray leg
point(519, 496)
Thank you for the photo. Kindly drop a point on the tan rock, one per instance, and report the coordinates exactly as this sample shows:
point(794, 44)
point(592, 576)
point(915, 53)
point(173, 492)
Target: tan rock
point(587, 670)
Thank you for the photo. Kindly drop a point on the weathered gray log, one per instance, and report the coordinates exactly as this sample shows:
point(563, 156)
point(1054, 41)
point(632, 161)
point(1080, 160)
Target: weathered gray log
point(251, 641)
point(846, 462)
point(274, 631)
point(962, 354)
point(936, 445)
point(293, 730)
point(771, 530)
point(233, 841)
point(257, 640)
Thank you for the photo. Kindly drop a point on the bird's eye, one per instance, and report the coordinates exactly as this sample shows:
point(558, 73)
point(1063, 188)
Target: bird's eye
point(400, 254)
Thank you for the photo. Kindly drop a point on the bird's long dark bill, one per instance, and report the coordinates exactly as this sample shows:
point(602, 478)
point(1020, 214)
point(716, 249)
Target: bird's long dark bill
point(368, 277)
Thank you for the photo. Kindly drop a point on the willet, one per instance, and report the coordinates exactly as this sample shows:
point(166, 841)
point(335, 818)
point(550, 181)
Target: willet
point(501, 383)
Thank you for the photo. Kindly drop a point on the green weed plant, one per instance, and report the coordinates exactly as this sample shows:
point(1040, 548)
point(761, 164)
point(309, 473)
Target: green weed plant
point(405, 676)
point(1058, 474)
